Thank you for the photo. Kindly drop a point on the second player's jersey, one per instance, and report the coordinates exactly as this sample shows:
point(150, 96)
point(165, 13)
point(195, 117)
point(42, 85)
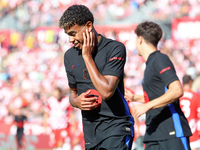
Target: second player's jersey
point(168, 121)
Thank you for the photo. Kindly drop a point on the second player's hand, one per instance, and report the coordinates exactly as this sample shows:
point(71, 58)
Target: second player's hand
point(140, 109)
point(128, 95)
point(88, 43)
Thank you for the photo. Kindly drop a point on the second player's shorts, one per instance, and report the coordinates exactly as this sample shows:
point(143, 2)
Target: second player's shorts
point(169, 144)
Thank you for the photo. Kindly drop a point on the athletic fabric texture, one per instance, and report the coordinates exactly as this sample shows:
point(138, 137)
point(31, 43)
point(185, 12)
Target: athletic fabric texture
point(110, 118)
point(169, 121)
point(115, 143)
point(169, 144)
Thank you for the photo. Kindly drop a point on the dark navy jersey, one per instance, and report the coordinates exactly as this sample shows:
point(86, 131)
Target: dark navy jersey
point(20, 121)
point(112, 117)
point(168, 121)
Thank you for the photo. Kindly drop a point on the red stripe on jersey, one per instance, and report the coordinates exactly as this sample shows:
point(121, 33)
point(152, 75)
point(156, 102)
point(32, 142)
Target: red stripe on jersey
point(165, 69)
point(116, 58)
point(146, 97)
point(20, 124)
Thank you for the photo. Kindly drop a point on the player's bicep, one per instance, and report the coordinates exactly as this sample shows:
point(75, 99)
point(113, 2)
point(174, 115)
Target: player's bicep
point(116, 61)
point(165, 70)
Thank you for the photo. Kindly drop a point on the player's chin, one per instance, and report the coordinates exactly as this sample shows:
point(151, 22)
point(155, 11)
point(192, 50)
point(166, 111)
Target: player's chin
point(79, 46)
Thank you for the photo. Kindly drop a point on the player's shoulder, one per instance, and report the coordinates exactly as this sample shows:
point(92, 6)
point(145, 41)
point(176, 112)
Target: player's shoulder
point(160, 57)
point(69, 51)
point(111, 42)
point(117, 43)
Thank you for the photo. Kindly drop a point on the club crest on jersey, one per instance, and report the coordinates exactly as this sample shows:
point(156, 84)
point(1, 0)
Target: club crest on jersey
point(86, 74)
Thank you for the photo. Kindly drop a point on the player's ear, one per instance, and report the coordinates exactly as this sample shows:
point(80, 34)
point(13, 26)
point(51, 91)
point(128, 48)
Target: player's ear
point(141, 39)
point(89, 26)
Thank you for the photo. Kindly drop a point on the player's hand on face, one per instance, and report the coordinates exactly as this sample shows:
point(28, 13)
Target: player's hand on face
point(88, 42)
point(87, 103)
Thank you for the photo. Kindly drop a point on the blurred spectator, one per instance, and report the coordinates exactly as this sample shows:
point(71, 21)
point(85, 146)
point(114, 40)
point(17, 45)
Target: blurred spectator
point(57, 116)
point(190, 105)
point(196, 84)
point(20, 119)
point(31, 57)
point(76, 137)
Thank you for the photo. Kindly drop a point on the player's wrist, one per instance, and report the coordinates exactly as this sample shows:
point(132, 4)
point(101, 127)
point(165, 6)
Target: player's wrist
point(132, 98)
point(72, 102)
point(87, 56)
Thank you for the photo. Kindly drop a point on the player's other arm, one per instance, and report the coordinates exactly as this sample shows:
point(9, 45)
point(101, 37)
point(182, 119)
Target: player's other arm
point(73, 96)
point(81, 101)
point(166, 71)
point(129, 96)
point(173, 93)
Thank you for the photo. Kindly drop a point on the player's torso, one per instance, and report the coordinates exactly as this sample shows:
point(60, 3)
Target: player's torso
point(80, 72)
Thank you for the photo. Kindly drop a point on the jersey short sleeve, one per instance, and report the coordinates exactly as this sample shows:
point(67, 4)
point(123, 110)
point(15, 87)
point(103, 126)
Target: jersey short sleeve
point(116, 60)
point(71, 79)
point(165, 69)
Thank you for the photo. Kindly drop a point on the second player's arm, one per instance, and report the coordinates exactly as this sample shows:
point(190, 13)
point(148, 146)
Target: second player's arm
point(174, 92)
point(130, 97)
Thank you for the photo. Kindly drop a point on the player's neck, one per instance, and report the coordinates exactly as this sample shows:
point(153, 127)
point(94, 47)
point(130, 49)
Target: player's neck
point(187, 87)
point(98, 37)
point(148, 51)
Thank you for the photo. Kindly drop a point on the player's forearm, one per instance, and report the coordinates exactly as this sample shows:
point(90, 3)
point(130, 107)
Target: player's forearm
point(73, 96)
point(161, 101)
point(102, 84)
point(174, 93)
point(72, 101)
point(138, 98)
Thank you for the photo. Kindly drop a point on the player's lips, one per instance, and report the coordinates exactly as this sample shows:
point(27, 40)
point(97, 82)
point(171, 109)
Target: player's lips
point(76, 44)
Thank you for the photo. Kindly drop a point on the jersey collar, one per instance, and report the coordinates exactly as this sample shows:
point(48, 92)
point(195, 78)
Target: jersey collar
point(151, 56)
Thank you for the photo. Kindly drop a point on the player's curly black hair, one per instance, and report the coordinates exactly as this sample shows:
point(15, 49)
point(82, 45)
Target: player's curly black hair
point(75, 14)
point(150, 31)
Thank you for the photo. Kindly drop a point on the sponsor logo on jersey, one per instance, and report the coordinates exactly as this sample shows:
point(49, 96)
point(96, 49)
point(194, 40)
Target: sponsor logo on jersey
point(74, 66)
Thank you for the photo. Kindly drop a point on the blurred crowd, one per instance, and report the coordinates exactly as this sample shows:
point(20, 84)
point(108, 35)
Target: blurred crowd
point(31, 58)
point(28, 14)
